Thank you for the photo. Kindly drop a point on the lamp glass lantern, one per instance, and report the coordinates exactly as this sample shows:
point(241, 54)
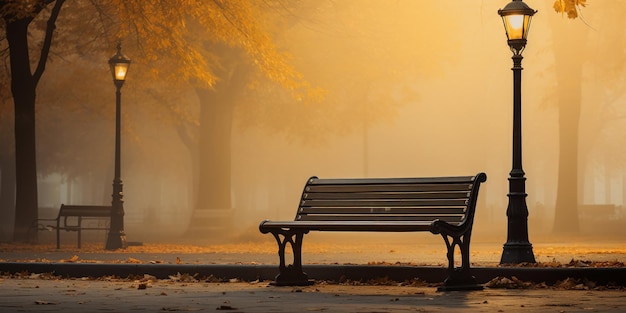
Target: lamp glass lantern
point(119, 65)
point(516, 16)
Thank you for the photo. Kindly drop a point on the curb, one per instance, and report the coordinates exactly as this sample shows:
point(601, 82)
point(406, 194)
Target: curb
point(602, 276)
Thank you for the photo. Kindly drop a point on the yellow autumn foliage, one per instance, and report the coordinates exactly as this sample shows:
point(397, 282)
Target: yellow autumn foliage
point(180, 30)
point(570, 7)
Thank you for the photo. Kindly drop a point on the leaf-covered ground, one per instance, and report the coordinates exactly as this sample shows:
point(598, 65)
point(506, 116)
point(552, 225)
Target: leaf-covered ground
point(593, 256)
point(572, 255)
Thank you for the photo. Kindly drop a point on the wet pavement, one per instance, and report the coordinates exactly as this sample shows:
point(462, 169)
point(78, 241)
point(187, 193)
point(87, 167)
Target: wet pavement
point(371, 277)
point(149, 295)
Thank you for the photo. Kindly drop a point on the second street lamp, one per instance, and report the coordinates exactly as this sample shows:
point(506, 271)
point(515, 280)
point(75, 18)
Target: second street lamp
point(516, 16)
point(117, 238)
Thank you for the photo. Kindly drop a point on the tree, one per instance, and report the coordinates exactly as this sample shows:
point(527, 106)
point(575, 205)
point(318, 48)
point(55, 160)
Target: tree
point(7, 156)
point(17, 17)
point(577, 135)
point(569, 101)
point(161, 29)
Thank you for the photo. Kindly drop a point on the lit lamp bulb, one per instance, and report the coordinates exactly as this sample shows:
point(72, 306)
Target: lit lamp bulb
point(515, 26)
point(120, 71)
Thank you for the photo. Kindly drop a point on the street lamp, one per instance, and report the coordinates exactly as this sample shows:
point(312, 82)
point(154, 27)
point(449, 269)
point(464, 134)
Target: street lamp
point(516, 17)
point(117, 238)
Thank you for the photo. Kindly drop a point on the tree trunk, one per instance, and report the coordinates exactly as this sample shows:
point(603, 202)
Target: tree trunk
point(569, 76)
point(566, 210)
point(212, 214)
point(216, 116)
point(7, 194)
point(23, 87)
point(7, 180)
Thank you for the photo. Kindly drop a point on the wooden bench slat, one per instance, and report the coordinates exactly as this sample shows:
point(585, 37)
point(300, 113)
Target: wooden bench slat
point(378, 210)
point(85, 207)
point(429, 218)
point(387, 187)
point(463, 194)
point(402, 180)
point(86, 214)
point(81, 228)
point(383, 226)
point(85, 210)
point(383, 203)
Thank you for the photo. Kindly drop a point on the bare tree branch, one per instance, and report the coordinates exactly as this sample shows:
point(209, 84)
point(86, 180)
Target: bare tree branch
point(45, 49)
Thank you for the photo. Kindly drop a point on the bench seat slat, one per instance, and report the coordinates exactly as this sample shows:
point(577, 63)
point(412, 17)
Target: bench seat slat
point(382, 210)
point(403, 180)
point(87, 214)
point(429, 218)
point(463, 194)
point(384, 226)
point(85, 211)
point(383, 203)
point(387, 187)
point(77, 228)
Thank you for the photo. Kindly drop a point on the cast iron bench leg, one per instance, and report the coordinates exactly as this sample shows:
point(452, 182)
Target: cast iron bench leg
point(458, 278)
point(80, 221)
point(58, 234)
point(290, 275)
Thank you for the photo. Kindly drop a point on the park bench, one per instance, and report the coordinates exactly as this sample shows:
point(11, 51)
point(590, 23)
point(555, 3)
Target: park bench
point(71, 218)
point(441, 205)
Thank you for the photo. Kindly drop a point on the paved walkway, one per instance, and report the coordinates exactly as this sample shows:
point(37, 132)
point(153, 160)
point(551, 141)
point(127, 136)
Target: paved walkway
point(146, 295)
point(255, 263)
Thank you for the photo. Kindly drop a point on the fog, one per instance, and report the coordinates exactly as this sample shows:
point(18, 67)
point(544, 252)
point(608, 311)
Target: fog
point(411, 88)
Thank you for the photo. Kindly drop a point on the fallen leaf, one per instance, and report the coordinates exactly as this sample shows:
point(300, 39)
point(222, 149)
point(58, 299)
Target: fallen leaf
point(225, 307)
point(512, 283)
point(72, 259)
point(133, 260)
point(148, 277)
point(180, 309)
point(43, 302)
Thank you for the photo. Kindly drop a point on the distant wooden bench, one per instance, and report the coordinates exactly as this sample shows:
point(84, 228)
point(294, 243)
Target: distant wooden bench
point(441, 205)
point(71, 218)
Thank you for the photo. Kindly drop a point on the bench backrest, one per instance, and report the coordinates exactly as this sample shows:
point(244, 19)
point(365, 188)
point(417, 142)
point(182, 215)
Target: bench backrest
point(450, 199)
point(85, 211)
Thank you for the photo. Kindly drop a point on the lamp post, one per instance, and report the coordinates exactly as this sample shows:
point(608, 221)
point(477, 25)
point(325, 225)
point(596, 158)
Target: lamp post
point(117, 238)
point(516, 16)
